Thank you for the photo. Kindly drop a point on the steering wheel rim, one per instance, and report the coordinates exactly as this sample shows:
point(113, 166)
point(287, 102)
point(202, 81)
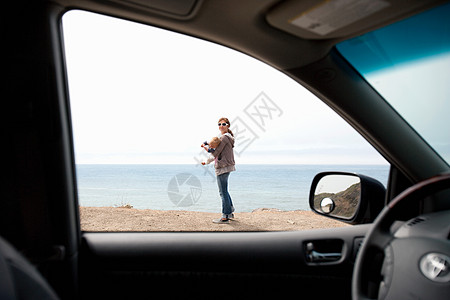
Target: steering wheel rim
point(376, 245)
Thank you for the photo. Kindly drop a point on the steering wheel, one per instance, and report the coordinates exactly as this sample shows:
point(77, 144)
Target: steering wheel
point(412, 262)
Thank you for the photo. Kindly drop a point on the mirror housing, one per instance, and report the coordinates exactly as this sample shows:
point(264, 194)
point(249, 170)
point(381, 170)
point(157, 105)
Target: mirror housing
point(348, 197)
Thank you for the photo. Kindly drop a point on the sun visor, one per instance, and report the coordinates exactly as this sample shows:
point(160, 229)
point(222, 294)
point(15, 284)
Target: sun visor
point(327, 19)
point(180, 9)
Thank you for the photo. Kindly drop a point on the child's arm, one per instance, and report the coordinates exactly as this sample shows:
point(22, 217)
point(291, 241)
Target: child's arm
point(205, 146)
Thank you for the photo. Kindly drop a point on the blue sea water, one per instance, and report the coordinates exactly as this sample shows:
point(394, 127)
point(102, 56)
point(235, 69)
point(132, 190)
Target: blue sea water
point(194, 187)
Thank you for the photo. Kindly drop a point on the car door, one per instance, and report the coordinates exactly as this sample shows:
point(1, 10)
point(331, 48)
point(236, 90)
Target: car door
point(238, 264)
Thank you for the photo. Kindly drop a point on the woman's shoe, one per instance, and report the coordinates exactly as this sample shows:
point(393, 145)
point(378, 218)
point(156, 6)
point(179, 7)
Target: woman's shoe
point(221, 221)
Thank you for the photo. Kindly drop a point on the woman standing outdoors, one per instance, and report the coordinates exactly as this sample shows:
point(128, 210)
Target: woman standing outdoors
point(224, 164)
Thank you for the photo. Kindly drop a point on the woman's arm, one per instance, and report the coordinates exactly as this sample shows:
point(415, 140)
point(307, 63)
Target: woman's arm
point(224, 141)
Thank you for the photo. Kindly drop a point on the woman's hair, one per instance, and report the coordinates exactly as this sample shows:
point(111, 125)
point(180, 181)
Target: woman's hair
point(228, 122)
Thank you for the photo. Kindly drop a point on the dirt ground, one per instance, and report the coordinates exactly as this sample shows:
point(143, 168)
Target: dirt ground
point(263, 219)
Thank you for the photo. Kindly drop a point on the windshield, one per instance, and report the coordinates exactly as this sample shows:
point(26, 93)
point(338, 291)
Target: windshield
point(408, 63)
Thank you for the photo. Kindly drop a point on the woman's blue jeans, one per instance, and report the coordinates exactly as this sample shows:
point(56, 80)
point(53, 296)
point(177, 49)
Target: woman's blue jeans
point(227, 204)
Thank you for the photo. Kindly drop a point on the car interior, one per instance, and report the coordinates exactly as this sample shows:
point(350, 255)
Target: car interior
point(398, 246)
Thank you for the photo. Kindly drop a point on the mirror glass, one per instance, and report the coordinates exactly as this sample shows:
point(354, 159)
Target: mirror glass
point(338, 195)
point(326, 205)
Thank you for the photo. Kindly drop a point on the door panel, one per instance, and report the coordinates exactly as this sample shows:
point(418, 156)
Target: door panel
point(142, 265)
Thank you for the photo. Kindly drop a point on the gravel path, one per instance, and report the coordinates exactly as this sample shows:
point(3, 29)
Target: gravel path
point(263, 219)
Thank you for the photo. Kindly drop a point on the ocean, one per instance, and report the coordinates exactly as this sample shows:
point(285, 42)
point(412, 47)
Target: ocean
point(194, 187)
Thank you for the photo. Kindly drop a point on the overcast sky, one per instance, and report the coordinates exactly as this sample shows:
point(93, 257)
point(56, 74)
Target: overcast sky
point(145, 95)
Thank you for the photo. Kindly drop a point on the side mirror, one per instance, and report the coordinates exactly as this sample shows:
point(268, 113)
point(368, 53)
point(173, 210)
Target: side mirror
point(348, 197)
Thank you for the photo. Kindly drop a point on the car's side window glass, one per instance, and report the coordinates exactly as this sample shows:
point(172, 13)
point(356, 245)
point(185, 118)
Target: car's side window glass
point(143, 101)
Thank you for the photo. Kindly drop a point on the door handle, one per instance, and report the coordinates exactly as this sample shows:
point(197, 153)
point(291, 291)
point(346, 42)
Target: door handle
point(318, 257)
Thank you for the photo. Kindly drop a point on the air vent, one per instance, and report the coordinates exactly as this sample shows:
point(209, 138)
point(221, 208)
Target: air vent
point(415, 221)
